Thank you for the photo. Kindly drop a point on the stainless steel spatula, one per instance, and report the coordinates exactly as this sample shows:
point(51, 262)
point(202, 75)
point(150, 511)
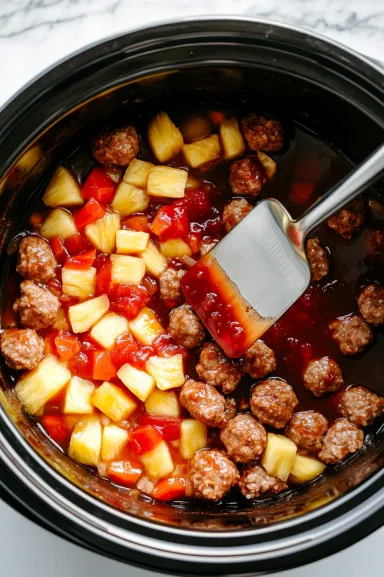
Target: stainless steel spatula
point(260, 268)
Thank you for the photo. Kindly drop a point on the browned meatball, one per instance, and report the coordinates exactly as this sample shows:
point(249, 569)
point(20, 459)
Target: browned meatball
point(235, 211)
point(371, 304)
point(307, 429)
point(247, 176)
point(35, 260)
point(341, 439)
point(259, 360)
point(349, 220)
point(206, 404)
point(254, 481)
point(215, 369)
point(116, 147)
point(273, 402)
point(212, 474)
point(351, 333)
point(262, 133)
point(244, 438)
point(170, 284)
point(323, 376)
point(186, 328)
point(318, 259)
point(37, 307)
point(22, 349)
point(360, 405)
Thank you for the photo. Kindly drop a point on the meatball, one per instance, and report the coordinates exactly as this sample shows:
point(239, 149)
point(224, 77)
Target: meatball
point(37, 308)
point(206, 404)
point(254, 481)
point(22, 349)
point(212, 474)
point(35, 259)
point(323, 376)
point(349, 220)
point(206, 246)
point(371, 304)
point(351, 333)
point(170, 284)
point(247, 176)
point(116, 147)
point(235, 211)
point(259, 360)
point(307, 429)
point(341, 439)
point(186, 328)
point(273, 402)
point(318, 259)
point(244, 438)
point(360, 405)
point(215, 369)
point(262, 133)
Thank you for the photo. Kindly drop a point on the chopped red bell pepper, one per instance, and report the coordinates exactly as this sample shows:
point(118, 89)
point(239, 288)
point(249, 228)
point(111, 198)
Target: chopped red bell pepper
point(91, 212)
point(169, 489)
point(76, 244)
point(170, 222)
point(168, 426)
point(301, 191)
point(103, 368)
point(165, 346)
point(81, 365)
point(197, 204)
point(140, 357)
point(144, 439)
point(58, 249)
point(99, 186)
point(128, 299)
point(124, 473)
point(216, 116)
point(125, 346)
point(103, 279)
point(139, 223)
point(67, 345)
point(83, 261)
point(56, 428)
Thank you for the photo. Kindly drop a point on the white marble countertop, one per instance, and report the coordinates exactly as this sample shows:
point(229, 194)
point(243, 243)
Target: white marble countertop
point(36, 33)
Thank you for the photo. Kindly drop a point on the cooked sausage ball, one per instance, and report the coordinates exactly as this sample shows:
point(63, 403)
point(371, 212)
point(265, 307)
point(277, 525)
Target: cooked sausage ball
point(371, 304)
point(206, 404)
point(360, 405)
point(186, 328)
point(235, 211)
point(351, 333)
point(318, 259)
point(116, 147)
point(37, 308)
point(262, 133)
point(273, 402)
point(22, 349)
point(35, 259)
point(215, 369)
point(212, 474)
point(259, 360)
point(307, 429)
point(254, 481)
point(341, 439)
point(323, 376)
point(170, 284)
point(247, 176)
point(349, 220)
point(244, 438)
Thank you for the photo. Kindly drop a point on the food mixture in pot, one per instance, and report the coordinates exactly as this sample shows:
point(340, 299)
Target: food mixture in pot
point(119, 371)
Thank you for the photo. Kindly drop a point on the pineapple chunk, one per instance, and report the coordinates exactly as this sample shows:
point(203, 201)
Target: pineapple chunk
point(193, 437)
point(80, 283)
point(305, 469)
point(195, 128)
point(113, 402)
point(164, 403)
point(85, 443)
point(268, 163)
point(192, 182)
point(175, 248)
point(62, 323)
point(279, 456)
point(166, 181)
point(231, 138)
point(164, 137)
point(63, 190)
point(158, 462)
point(203, 151)
point(131, 241)
point(78, 397)
point(113, 442)
point(59, 222)
point(106, 331)
point(127, 269)
point(155, 262)
point(138, 382)
point(145, 327)
point(137, 173)
point(102, 233)
point(84, 315)
point(129, 199)
point(168, 372)
point(36, 387)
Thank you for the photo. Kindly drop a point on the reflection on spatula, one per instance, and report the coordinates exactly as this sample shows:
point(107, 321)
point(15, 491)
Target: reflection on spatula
point(250, 278)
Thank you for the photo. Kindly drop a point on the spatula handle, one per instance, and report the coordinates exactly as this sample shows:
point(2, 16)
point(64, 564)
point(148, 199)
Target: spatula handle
point(346, 190)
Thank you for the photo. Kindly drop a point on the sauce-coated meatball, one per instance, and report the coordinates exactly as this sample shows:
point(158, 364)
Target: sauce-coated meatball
point(349, 220)
point(307, 429)
point(318, 259)
point(360, 405)
point(341, 439)
point(215, 369)
point(323, 376)
point(244, 438)
point(22, 349)
point(37, 308)
point(259, 360)
point(116, 147)
point(247, 176)
point(35, 259)
point(254, 481)
point(351, 333)
point(235, 211)
point(170, 284)
point(206, 404)
point(273, 402)
point(262, 133)
point(212, 474)
point(186, 328)
point(371, 304)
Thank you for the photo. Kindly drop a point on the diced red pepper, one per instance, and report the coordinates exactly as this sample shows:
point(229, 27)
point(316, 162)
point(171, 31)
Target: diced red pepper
point(49, 343)
point(170, 222)
point(139, 223)
point(67, 345)
point(81, 365)
point(82, 261)
point(125, 347)
point(140, 357)
point(169, 489)
point(91, 212)
point(56, 428)
point(103, 279)
point(58, 249)
point(99, 186)
point(103, 368)
point(124, 473)
point(216, 116)
point(168, 426)
point(301, 191)
point(128, 299)
point(197, 204)
point(144, 439)
point(76, 244)
point(165, 346)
